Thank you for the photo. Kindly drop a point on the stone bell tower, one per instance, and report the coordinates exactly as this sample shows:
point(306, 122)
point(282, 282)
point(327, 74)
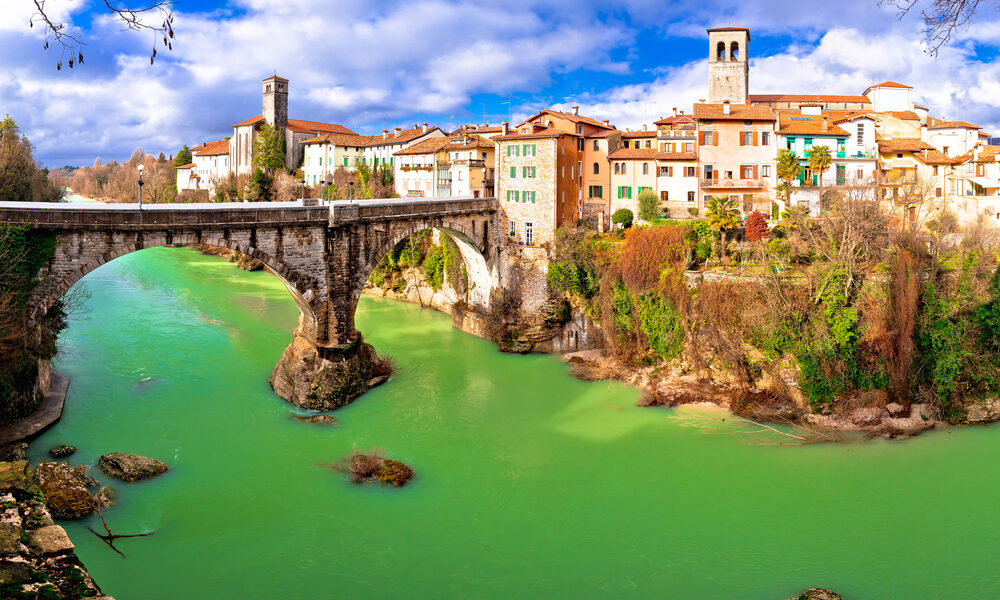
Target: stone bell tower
point(276, 102)
point(728, 65)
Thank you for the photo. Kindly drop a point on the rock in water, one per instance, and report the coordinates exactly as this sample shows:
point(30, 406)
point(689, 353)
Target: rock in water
point(393, 472)
point(318, 419)
point(66, 490)
point(818, 594)
point(15, 451)
point(129, 467)
point(62, 451)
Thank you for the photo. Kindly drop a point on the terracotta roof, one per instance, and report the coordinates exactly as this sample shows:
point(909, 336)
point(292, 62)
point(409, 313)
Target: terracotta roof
point(603, 133)
point(187, 166)
point(796, 123)
point(806, 98)
point(430, 146)
point(920, 107)
point(988, 154)
point(300, 126)
point(340, 139)
point(405, 136)
point(891, 84)
point(737, 112)
point(676, 156)
point(569, 117)
point(481, 129)
point(198, 147)
point(277, 78)
point(633, 154)
point(933, 157)
point(475, 141)
point(214, 148)
point(639, 134)
point(905, 115)
point(953, 125)
point(675, 119)
point(548, 132)
point(903, 145)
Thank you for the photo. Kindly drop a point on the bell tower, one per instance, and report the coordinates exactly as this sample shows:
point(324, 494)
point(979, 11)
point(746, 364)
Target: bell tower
point(728, 65)
point(276, 102)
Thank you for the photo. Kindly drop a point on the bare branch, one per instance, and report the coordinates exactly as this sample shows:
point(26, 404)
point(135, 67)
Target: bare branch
point(941, 18)
point(141, 19)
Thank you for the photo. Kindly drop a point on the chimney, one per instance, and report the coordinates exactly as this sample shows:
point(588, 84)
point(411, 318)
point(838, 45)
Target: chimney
point(477, 126)
point(396, 131)
point(607, 122)
point(576, 110)
point(675, 111)
point(725, 107)
point(425, 128)
point(503, 128)
point(644, 127)
point(825, 126)
point(385, 133)
point(415, 125)
point(682, 111)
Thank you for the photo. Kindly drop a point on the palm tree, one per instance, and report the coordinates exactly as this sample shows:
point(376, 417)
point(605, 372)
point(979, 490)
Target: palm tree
point(787, 170)
point(819, 161)
point(722, 215)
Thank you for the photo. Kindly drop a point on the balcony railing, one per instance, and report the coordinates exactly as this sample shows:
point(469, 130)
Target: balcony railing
point(732, 183)
point(417, 168)
point(471, 163)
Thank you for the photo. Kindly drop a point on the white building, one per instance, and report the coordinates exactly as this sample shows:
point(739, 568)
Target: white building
point(890, 96)
point(953, 138)
point(324, 154)
point(211, 164)
point(380, 149)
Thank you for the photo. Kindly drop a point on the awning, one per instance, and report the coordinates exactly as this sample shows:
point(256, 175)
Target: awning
point(983, 182)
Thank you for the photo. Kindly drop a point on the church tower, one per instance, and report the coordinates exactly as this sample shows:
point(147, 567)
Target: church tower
point(276, 102)
point(728, 65)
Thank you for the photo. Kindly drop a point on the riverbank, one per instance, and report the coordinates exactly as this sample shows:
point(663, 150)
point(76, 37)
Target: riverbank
point(37, 558)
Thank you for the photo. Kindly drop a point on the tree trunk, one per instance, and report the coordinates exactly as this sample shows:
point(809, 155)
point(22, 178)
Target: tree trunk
point(722, 249)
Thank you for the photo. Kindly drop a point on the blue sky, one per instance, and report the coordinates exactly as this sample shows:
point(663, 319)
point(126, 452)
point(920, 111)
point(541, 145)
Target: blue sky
point(374, 65)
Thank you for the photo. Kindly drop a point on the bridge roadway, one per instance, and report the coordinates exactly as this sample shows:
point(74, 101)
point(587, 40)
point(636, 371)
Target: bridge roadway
point(130, 217)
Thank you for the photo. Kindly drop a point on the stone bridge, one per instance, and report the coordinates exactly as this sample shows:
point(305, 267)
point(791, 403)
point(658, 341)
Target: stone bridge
point(323, 254)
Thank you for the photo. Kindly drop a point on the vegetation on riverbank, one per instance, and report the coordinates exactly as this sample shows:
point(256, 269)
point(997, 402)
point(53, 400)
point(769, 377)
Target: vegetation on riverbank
point(864, 306)
point(437, 262)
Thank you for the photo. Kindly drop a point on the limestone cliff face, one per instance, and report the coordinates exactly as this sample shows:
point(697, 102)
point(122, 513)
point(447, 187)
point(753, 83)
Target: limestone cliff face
point(309, 380)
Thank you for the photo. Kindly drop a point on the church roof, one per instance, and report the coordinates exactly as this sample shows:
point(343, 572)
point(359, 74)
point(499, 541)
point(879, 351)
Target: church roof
point(213, 148)
point(300, 126)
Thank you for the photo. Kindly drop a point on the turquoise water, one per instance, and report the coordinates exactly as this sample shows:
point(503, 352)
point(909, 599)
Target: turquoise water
point(529, 484)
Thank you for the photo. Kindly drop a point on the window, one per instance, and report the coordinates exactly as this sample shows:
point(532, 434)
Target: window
point(689, 171)
point(623, 167)
point(900, 155)
point(765, 170)
point(597, 146)
point(579, 128)
point(765, 138)
point(527, 172)
point(513, 228)
point(597, 169)
point(734, 51)
point(666, 171)
point(595, 191)
point(706, 198)
point(513, 172)
point(746, 171)
point(720, 52)
point(617, 168)
point(529, 233)
point(649, 143)
point(345, 161)
point(579, 144)
point(624, 191)
point(944, 149)
point(517, 196)
point(937, 192)
point(707, 138)
point(664, 196)
point(689, 146)
point(645, 168)
point(690, 196)
point(710, 172)
point(935, 170)
point(861, 173)
point(746, 138)
point(808, 143)
point(625, 143)
point(529, 150)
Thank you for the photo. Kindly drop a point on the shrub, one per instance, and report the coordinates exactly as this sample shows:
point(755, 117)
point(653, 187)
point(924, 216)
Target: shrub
point(661, 322)
point(563, 276)
point(646, 253)
point(757, 227)
point(693, 212)
point(623, 217)
point(649, 206)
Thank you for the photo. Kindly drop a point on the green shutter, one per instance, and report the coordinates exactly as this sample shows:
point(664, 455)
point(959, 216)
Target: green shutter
point(513, 172)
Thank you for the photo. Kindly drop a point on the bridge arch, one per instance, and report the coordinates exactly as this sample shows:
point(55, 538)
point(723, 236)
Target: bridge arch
point(55, 284)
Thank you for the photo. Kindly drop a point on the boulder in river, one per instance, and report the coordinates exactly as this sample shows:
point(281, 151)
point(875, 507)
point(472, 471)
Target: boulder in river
point(66, 489)
point(374, 466)
point(983, 411)
point(817, 594)
point(62, 451)
point(129, 467)
point(318, 419)
point(393, 472)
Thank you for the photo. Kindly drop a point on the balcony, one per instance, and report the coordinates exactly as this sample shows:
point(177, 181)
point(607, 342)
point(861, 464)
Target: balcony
point(470, 163)
point(732, 183)
point(416, 168)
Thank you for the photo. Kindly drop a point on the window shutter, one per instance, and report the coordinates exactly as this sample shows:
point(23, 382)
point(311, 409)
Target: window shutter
point(755, 138)
point(513, 172)
point(755, 171)
point(715, 140)
point(742, 137)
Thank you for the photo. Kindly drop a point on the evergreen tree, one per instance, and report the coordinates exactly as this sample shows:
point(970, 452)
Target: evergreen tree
point(183, 157)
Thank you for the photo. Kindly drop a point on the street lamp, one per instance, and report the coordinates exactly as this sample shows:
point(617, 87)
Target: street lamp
point(141, 182)
point(350, 188)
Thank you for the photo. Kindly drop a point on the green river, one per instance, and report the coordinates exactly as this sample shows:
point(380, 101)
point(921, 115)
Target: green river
point(530, 484)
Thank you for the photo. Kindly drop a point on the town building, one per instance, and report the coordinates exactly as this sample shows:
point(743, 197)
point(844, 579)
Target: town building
point(323, 155)
point(457, 165)
point(728, 65)
point(381, 149)
point(275, 113)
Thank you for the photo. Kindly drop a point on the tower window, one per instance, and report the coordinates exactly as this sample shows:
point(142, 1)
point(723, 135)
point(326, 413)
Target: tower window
point(721, 52)
point(734, 51)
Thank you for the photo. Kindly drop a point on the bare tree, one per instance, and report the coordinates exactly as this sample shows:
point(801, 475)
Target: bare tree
point(941, 17)
point(153, 16)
